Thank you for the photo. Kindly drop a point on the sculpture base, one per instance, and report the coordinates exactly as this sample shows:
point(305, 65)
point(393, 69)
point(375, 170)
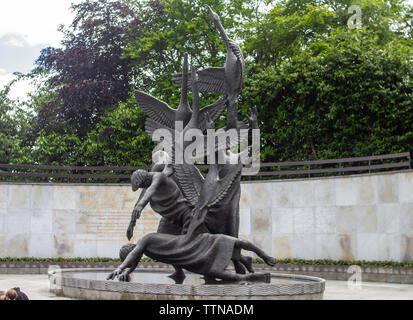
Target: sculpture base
point(154, 284)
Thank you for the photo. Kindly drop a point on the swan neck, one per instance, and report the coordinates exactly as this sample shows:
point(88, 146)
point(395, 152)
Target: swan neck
point(222, 32)
point(184, 85)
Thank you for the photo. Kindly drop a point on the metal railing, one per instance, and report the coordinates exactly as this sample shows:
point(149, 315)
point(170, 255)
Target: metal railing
point(313, 167)
point(291, 169)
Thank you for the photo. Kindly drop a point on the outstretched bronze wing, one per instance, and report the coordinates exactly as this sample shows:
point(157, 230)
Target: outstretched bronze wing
point(188, 177)
point(214, 110)
point(213, 192)
point(225, 184)
point(151, 126)
point(210, 80)
point(189, 180)
point(158, 110)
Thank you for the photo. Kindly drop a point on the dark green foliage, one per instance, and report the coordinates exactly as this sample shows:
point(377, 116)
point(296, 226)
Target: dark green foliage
point(345, 96)
point(15, 129)
point(8, 128)
point(119, 139)
point(326, 91)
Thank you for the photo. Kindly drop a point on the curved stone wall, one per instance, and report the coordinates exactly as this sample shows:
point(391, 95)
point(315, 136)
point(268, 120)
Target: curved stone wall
point(363, 217)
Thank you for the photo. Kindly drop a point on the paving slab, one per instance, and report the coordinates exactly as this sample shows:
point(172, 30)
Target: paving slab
point(340, 290)
point(35, 286)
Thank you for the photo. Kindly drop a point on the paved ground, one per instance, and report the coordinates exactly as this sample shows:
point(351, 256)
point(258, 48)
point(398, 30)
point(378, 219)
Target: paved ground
point(339, 290)
point(36, 287)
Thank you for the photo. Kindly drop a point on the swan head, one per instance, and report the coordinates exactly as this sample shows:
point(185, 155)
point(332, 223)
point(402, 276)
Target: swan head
point(214, 16)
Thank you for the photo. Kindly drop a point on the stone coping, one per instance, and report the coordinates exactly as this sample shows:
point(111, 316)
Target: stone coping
point(63, 278)
point(242, 182)
point(402, 275)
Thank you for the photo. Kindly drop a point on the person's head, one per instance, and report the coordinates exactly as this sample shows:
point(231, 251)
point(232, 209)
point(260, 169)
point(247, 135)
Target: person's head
point(140, 179)
point(125, 250)
point(2, 295)
point(11, 295)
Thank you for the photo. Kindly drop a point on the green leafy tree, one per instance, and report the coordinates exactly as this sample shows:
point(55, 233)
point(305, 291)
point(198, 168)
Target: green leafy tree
point(7, 126)
point(292, 25)
point(15, 128)
point(57, 148)
point(119, 139)
point(345, 96)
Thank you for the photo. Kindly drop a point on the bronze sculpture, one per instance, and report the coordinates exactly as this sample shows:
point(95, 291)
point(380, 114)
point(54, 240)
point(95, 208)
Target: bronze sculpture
point(200, 216)
point(227, 80)
point(166, 116)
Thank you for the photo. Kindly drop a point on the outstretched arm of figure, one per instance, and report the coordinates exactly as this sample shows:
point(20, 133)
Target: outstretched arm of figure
point(135, 212)
point(129, 265)
point(142, 202)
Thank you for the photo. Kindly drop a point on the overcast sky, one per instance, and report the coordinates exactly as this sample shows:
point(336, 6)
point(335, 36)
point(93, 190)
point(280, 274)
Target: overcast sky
point(27, 26)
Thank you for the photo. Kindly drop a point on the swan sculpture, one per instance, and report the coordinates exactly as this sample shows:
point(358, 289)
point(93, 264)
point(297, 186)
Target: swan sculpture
point(227, 80)
point(166, 116)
